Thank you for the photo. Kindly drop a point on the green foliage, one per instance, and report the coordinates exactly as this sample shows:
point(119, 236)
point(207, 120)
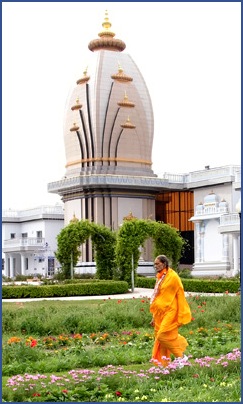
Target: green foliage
point(116, 254)
point(131, 236)
point(134, 232)
point(85, 288)
point(75, 234)
point(109, 360)
point(169, 242)
point(68, 242)
point(104, 240)
point(143, 282)
point(185, 273)
point(197, 285)
point(211, 286)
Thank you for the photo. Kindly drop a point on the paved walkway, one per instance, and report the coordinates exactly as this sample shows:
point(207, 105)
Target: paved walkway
point(138, 293)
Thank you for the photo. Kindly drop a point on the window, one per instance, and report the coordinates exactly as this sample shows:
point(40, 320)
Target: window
point(24, 235)
point(39, 236)
point(51, 266)
point(12, 235)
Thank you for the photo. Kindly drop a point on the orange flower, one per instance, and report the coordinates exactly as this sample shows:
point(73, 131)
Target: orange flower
point(77, 336)
point(13, 340)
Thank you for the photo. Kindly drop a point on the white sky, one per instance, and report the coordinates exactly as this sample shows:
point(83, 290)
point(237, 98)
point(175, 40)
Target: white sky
point(189, 55)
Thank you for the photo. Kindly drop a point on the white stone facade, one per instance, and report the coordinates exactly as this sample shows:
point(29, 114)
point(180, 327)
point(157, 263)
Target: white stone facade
point(217, 231)
point(29, 241)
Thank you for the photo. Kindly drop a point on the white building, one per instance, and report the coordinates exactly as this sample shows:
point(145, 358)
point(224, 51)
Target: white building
point(29, 236)
point(29, 240)
point(217, 223)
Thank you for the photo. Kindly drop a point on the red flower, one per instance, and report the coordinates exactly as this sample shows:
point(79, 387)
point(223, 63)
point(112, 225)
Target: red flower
point(33, 343)
point(118, 393)
point(196, 376)
point(65, 391)
point(36, 395)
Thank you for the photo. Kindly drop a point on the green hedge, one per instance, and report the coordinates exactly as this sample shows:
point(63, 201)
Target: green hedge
point(81, 289)
point(197, 285)
point(96, 288)
point(210, 286)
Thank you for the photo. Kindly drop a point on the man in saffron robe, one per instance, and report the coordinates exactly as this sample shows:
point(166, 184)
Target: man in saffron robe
point(170, 310)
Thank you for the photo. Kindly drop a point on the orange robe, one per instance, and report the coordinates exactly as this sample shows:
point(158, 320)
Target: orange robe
point(170, 310)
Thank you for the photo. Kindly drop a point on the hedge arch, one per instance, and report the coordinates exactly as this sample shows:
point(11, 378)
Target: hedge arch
point(134, 232)
point(76, 233)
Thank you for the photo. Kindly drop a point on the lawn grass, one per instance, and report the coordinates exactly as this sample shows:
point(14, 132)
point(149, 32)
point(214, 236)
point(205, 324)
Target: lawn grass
point(100, 350)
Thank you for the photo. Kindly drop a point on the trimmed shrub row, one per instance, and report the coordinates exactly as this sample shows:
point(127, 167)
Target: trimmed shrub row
point(76, 289)
point(197, 285)
point(96, 288)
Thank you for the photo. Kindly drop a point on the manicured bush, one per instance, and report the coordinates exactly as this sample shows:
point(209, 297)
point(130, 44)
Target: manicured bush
point(91, 288)
point(197, 285)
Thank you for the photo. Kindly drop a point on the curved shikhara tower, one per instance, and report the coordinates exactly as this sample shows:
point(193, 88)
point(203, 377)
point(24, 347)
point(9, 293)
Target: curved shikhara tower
point(109, 114)
point(108, 135)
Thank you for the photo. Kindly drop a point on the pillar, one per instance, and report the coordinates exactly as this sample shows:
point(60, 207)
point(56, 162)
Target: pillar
point(11, 269)
point(236, 255)
point(22, 269)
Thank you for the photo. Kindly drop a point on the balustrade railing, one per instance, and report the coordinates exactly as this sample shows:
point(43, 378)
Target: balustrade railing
point(51, 210)
point(232, 218)
point(36, 242)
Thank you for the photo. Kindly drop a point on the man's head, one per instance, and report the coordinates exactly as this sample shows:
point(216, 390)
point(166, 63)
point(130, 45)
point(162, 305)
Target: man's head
point(161, 262)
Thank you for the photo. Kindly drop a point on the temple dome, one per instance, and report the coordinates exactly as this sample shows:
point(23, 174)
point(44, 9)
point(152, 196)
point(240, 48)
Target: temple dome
point(106, 141)
point(211, 199)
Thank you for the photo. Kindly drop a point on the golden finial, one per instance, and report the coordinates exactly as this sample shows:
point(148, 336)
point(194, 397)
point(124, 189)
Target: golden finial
point(106, 39)
point(74, 128)
point(74, 219)
point(125, 102)
point(106, 25)
point(128, 124)
point(77, 105)
point(85, 78)
point(129, 217)
point(120, 69)
point(121, 76)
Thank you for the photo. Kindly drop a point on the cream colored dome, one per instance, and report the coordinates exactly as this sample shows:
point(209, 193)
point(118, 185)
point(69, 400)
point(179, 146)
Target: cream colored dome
point(114, 136)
